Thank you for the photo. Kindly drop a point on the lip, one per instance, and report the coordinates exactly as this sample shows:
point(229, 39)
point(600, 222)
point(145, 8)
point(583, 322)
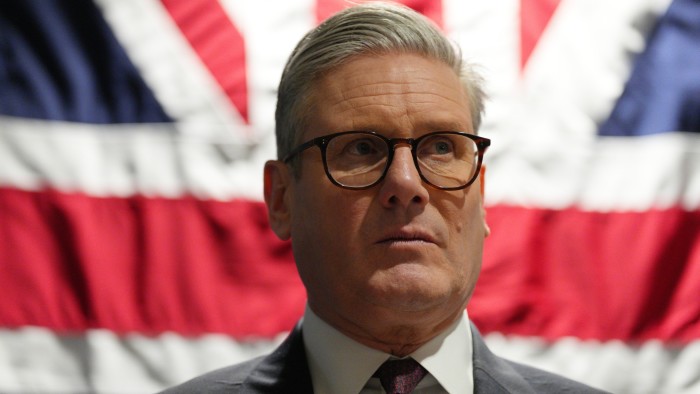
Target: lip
point(407, 236)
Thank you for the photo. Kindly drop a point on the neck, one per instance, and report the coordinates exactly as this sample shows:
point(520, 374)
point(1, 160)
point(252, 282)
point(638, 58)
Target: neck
point(399, 337)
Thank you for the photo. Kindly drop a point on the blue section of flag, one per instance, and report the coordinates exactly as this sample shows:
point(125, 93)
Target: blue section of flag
point(59, 60)
point(663, 92)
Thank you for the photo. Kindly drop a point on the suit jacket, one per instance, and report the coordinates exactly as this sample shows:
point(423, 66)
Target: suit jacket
point(286, 371)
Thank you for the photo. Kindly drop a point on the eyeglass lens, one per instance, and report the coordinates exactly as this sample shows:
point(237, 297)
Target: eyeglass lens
point(444, 159)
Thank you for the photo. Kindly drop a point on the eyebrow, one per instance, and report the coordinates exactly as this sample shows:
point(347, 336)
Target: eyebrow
point(444, 126)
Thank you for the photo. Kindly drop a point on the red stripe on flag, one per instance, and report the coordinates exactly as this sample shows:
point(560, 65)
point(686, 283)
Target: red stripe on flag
point(218, 43)
point(149, 265)
point(534, 17)
point(72, 262)
point(430, 8)
point(593, 275)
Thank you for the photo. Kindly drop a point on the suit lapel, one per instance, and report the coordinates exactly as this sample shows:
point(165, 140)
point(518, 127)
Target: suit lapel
point(285, 370)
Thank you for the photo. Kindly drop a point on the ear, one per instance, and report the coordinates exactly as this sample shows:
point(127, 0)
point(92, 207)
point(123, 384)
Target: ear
point(277, 179)
point(482, 185)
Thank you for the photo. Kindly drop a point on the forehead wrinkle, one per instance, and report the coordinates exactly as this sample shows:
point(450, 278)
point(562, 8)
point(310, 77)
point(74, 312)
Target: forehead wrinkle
point(407, 119)
point(354, 86)
point(431, 87)
point(362, 119)
point(402, 77)
point(374, 90)
point(400, 88)
point(407, 99)
point(402, 104)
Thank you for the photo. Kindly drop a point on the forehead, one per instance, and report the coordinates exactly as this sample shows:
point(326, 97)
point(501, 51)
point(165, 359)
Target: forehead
point(393, 93)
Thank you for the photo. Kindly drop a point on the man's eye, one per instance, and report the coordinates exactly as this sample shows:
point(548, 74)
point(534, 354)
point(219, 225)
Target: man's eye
point(363, 147)
point(438, 146)
point(442, 147)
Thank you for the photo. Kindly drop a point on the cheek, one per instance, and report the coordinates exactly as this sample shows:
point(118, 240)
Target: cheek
point(466, 253)
point(327, 231)
point(329, 250)
point(345, 211)
point(466, 235)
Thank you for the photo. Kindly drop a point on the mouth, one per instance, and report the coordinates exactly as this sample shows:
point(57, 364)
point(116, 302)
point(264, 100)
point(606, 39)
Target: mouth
point(407, 237)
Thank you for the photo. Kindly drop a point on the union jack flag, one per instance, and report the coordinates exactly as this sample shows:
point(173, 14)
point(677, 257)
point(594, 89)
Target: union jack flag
point(135, 251)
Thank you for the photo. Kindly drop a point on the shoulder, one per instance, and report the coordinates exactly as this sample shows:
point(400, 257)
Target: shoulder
point(284, 370)
point(547, 382)
point(493, 374)
point(225, 380)
point(510, 377)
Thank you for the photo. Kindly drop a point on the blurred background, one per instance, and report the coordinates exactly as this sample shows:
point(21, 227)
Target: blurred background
point(135, 251)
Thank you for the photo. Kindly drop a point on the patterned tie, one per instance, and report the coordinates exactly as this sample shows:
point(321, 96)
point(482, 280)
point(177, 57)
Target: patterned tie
point(400, 376)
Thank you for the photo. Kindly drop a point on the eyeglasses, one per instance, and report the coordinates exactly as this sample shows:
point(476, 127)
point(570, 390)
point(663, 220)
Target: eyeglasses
point(446, 160)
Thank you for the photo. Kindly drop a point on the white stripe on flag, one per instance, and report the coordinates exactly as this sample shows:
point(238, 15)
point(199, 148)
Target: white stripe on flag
point(34, 359)
point(124, 160)
point(610, 174)
point(37, 360)
point(651, 367)
point(607, 174)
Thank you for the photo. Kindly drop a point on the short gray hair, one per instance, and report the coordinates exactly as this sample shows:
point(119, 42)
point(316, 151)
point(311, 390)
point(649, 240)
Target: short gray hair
point(372, 28)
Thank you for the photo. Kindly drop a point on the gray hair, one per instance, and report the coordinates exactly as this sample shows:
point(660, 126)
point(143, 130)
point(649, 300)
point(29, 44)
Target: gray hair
point(372, 28)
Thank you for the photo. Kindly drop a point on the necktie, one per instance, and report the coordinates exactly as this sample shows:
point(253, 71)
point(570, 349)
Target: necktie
point(400, 376)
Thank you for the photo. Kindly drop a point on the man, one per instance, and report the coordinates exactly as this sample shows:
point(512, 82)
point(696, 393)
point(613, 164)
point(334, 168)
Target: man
point(378, 187)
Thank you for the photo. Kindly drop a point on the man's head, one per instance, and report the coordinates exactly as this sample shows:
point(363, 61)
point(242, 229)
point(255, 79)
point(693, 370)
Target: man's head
point(374, 28)
point(392, 264)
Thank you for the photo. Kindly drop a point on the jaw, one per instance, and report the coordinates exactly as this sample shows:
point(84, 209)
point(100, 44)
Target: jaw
point(397, 328)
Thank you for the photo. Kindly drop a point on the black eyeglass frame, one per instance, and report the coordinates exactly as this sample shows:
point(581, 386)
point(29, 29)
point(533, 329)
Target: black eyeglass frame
point(323, 141)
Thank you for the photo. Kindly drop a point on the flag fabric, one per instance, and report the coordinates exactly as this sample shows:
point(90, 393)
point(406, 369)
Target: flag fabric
point(135, 251)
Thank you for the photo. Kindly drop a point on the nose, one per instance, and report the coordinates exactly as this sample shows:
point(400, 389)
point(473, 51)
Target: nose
point(402, 186)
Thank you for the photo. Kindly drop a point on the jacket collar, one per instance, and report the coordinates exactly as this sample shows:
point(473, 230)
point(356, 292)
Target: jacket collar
point(285, 370)
point(493, 374)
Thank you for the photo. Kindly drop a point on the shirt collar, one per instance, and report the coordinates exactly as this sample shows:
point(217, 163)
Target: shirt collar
point(448, 357)
point(339, 364)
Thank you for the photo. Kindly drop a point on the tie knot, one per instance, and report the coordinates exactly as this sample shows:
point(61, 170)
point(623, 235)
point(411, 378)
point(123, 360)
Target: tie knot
point(400, 376)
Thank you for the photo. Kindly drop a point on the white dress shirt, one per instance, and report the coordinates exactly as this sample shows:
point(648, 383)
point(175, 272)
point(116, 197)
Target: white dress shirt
point(340, 365)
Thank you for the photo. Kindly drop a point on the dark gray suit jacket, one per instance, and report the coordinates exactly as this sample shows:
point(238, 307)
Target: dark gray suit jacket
point(286, 371)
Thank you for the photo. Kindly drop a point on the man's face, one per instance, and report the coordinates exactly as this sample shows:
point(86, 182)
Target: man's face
point(400, 253)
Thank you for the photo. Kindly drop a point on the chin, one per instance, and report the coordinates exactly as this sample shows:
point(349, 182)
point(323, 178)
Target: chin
point(411, 293)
